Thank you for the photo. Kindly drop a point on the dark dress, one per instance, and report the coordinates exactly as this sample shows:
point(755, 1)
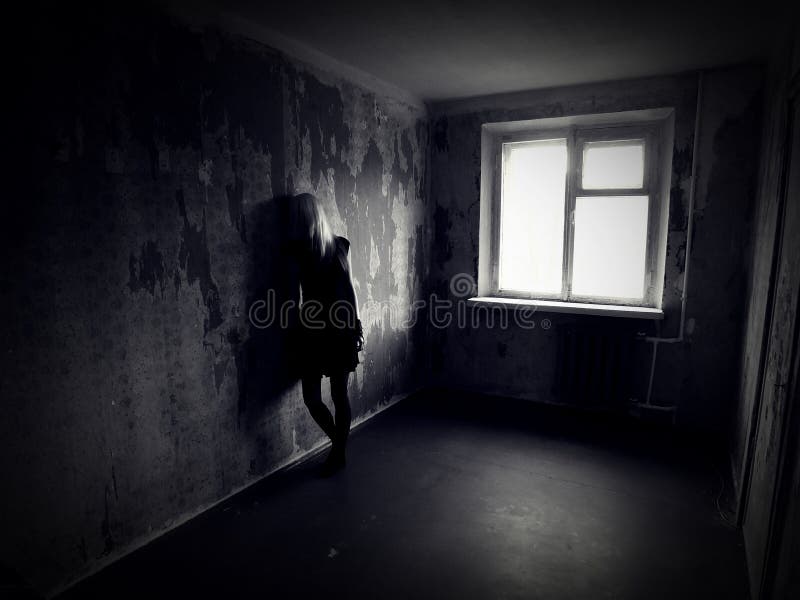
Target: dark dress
point(327, 315)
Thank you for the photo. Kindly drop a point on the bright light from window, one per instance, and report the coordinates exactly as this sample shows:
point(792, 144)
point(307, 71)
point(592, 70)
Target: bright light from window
point(613, 165)
point(610, 246)
point(532, 216)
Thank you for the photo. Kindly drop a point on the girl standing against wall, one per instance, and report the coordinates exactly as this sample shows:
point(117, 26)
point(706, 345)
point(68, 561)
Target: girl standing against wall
point(330, 332)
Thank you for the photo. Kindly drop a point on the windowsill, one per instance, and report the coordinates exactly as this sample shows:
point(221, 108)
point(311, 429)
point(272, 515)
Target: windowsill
point(552, 306)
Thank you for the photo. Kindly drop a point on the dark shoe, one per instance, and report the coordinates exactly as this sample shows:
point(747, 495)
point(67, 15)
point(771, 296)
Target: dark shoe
point(334, 463)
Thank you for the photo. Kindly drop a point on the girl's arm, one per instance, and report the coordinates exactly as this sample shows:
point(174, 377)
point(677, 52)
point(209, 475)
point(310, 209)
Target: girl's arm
point(351, 290)
point(352, 299)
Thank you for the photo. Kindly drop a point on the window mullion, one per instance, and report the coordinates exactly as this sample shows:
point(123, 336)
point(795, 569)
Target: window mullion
point(573, 158)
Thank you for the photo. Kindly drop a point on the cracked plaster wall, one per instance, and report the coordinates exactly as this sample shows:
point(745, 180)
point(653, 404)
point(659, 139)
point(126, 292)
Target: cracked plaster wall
point(135, 392)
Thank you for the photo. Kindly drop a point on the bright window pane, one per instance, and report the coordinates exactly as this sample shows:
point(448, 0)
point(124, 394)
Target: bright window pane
point(610, 246)
point(532, 216)
point(613, 165)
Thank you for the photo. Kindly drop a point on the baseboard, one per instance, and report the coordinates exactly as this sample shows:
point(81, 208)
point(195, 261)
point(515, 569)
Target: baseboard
point(281, 467)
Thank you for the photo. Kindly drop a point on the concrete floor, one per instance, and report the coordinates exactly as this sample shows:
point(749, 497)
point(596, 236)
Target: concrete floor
point(452, 496)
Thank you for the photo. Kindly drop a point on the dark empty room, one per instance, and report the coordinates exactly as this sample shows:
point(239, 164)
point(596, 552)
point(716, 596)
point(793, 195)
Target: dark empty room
point(410, 300)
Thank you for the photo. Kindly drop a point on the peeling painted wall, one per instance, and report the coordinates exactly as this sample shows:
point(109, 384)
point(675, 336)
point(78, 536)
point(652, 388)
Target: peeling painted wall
point(135, 392)
point(702, 373)
point(765, 445)
point(695, 375)
point(762, 251)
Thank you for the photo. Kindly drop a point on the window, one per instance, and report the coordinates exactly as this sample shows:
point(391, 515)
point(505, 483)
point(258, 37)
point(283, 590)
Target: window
point(574, 209)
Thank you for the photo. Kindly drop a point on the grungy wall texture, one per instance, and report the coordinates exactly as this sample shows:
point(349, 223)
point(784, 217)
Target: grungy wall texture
point(763, 444)
point(696, 375)
point(701, 374)
point(135, 392)
point(764, 231)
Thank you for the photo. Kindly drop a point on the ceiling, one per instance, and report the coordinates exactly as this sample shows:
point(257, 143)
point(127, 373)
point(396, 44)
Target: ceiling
point(447, 49)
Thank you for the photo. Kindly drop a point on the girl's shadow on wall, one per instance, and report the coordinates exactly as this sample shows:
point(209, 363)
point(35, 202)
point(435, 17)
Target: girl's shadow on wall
point(266, 353)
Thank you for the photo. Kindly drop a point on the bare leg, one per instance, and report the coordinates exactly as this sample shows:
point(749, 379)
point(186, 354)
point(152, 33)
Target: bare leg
point(312, 396)
point(342, 405)
point(336, 458)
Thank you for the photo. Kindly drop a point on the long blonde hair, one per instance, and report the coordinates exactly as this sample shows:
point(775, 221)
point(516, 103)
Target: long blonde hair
point(310, 225)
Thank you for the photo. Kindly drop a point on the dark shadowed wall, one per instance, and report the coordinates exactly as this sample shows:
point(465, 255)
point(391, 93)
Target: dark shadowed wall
point(767, 434)
point(696, 374)
point(760, 270)
point(135, 390)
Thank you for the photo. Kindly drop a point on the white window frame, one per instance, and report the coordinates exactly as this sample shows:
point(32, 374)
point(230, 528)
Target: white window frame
point(655, 127)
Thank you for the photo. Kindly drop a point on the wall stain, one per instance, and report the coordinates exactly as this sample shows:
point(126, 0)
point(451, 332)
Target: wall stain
point(114, 482)
point(235, 193)
point(219, 372)
point(681, 171)
point(147, 270)
point(443, 250)
point(105, 526)
point(440, 142)
point(195, 260)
